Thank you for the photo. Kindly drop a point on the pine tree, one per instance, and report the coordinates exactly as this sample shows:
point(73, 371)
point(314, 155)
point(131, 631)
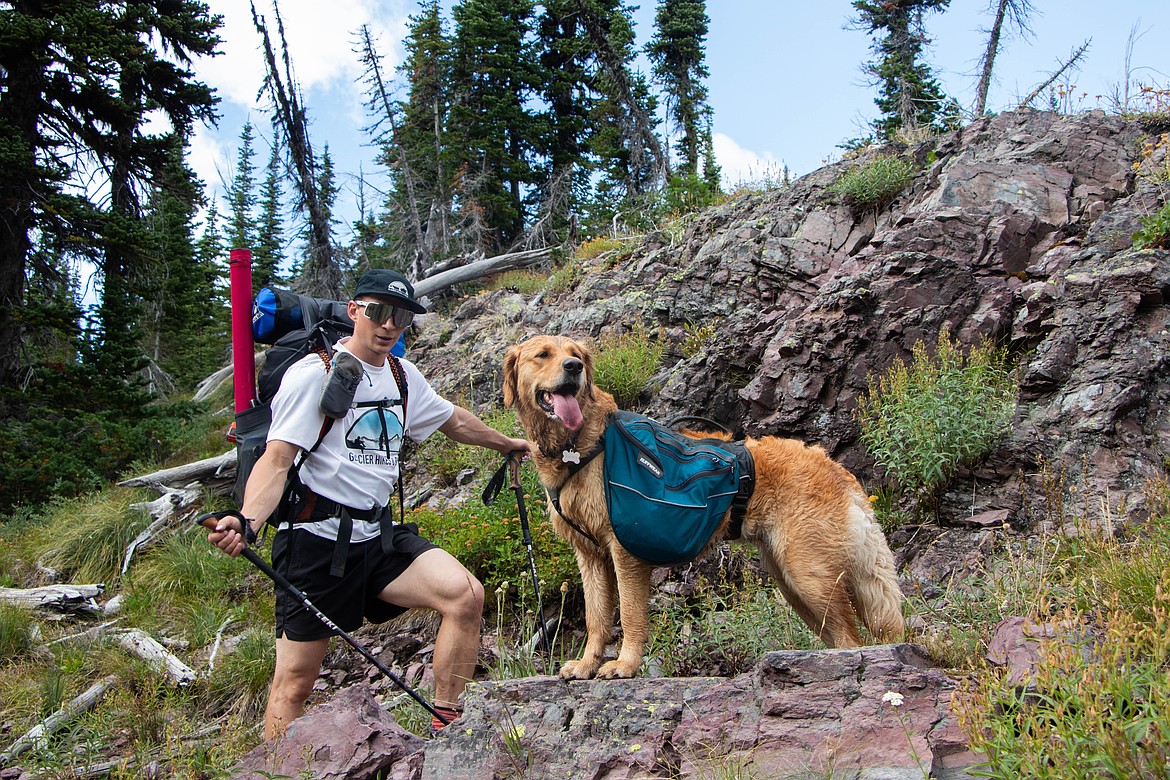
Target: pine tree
point(625, 146)
point(679, 57)
point(909, 96)
point(185, 337)
point(241, 194)
point(569, 95)
point(81, 78)
point(268, 250)
point(492, 131)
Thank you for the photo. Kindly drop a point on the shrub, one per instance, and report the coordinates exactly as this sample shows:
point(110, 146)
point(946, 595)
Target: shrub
point(595, 247)
point(488, 540)
point(875, 183)
point(86, 538)
point(1095, 708)
point(1155, 230)
point(923, 422)
point(524, 281)
point(624, 364)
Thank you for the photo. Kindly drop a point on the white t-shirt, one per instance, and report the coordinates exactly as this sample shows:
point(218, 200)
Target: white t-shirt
point(357, 462)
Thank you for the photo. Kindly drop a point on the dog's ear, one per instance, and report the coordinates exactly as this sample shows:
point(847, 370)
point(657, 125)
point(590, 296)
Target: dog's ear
point(510, 361)
point(587, 359)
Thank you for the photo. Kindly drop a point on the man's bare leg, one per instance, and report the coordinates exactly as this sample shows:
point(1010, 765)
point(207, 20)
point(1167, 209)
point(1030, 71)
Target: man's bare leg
point(436, 580)
point(298, 665)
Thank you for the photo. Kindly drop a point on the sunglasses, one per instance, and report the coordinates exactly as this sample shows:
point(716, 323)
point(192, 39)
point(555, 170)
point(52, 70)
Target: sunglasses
point(382, 312)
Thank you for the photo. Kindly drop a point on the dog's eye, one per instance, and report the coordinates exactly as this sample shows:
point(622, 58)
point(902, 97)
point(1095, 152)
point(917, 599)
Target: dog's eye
point(542, 354)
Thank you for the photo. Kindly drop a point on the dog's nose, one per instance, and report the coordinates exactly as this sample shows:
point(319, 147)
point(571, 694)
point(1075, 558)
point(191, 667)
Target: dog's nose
point(572, 366)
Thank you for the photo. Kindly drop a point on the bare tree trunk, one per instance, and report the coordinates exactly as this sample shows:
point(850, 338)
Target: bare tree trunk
point(1072, 60)
point(374, 72)
point(1016, 12)
point(321, 276)
point(989, 59)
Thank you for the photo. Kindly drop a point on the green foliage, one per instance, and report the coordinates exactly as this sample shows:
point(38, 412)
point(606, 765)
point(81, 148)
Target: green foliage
point(15, 633)
point(873, 184)
point(625, 364)
point(923, 422)
point(1154, 167)
point(489, 540)
point(597, 246)
point(688, 193)
point(524, 282)
point(86, 538)
point(679, 57)
point(70, 435)
point(242, 677)
point(909, 95)
point(726, 624)
point(1098, 702)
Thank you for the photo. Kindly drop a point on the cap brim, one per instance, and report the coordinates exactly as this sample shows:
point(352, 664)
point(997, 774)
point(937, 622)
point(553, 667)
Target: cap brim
point(399, 301)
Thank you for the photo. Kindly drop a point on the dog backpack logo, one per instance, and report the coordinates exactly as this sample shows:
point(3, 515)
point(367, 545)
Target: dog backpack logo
point(666, 492)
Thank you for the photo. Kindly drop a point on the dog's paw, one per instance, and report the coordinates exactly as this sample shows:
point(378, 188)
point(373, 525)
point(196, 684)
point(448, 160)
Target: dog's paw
point(578, 670)
point(618, 670)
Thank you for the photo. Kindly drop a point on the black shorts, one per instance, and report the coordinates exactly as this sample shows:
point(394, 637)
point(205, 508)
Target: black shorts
point(304, 559)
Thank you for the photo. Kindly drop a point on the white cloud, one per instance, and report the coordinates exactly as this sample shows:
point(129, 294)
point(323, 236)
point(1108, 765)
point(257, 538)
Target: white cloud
point(321, 38)
point(741, 166)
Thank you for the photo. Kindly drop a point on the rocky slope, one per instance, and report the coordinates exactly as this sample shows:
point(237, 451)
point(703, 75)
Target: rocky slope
point(1018, 228)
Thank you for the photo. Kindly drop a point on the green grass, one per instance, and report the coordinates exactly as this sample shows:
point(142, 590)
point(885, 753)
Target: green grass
point(624, 364)
point(85, 539)
point(1098, 705)
point(873, 184)
point(726, 623)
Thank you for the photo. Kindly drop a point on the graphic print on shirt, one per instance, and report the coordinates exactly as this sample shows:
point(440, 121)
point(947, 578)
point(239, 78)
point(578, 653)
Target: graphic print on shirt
point(376, 437)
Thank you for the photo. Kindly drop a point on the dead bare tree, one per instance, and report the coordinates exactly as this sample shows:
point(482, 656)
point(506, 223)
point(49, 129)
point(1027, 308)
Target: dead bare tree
point(1072, 60)
point(320, 275)
point(379, 100)
point(553, 214)
point(1016, 12)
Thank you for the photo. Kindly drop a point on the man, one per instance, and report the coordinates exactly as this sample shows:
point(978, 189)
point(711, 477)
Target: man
point(370, 569)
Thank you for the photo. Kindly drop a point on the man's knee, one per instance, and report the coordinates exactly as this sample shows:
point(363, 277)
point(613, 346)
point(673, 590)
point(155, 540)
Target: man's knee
point(466, 601)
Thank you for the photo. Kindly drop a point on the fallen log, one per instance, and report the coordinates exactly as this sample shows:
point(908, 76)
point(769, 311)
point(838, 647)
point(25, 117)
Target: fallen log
point(480, 269)
point(147, 648)
point(39, 733)
point(216, 470)
point(63, 598)
point(167, 510)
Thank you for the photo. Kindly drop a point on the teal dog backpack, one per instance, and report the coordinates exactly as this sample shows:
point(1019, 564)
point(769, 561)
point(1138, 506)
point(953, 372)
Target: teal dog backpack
point(667, 493)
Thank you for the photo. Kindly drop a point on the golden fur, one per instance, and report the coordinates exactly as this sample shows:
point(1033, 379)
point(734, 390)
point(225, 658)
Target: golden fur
point(809, 517)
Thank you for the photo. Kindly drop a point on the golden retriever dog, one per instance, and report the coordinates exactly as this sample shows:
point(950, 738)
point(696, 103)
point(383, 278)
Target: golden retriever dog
point(808, 516)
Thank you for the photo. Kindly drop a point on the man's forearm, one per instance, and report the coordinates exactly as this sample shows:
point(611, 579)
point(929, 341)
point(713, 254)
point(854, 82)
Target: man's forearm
point(465, 428)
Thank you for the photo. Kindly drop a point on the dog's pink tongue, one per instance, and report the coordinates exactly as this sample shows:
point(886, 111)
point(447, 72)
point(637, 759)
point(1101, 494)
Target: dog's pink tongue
point(568, 411)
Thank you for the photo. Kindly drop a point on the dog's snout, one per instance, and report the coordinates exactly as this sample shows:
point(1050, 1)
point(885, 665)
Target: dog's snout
point(573, 366)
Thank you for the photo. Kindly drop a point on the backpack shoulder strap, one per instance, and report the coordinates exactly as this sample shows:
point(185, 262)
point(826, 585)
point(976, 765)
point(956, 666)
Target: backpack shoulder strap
point(403, 390)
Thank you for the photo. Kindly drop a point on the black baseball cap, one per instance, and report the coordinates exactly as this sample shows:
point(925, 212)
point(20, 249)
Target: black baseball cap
point(386, 283)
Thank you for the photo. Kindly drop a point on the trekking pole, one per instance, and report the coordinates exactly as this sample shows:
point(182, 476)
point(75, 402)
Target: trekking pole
point(512, 464)
point(209, 522)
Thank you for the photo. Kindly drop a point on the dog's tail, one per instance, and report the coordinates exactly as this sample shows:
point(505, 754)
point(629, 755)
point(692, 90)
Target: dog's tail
point(877, 597)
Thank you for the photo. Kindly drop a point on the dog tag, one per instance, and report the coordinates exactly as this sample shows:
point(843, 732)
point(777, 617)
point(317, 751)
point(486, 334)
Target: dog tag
point(570, 456)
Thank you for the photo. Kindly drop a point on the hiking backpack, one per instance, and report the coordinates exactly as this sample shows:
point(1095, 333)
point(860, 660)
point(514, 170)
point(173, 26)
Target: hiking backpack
point(295, 326)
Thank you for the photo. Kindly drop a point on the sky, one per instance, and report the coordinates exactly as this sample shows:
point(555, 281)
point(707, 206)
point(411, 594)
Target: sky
point(785, 84)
